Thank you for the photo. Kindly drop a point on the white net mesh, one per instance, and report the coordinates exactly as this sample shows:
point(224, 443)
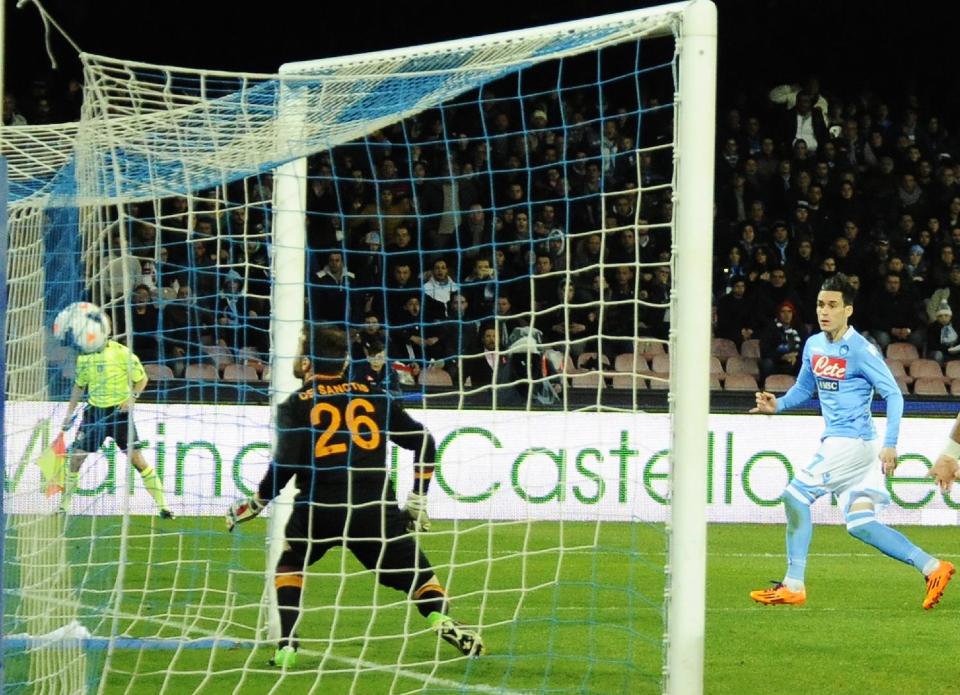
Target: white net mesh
point(166, 188)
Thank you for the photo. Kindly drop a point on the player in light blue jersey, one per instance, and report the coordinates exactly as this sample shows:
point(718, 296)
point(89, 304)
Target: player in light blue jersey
point(845, 370)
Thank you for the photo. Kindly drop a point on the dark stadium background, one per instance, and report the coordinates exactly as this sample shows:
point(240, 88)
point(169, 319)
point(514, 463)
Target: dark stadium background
point(883, 44)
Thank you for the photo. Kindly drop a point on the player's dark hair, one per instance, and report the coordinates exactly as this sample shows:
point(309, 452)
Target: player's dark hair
point(327, 349)
point(839, 283)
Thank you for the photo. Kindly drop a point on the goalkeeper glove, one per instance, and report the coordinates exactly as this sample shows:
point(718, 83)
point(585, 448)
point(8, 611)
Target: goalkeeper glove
point(244, 510)
point(417, 511)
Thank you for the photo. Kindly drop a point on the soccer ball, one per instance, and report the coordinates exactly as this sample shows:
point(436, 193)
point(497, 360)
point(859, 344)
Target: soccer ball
point(82, 326)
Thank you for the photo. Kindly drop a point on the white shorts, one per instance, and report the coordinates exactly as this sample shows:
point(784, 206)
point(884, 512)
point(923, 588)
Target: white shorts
point(848, 468)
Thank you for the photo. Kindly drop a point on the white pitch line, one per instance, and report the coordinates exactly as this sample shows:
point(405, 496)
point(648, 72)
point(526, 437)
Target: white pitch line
point(424, 678)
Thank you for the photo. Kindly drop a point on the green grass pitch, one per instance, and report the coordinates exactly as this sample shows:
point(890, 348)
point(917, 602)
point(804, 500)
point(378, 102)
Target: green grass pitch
point(597, 629)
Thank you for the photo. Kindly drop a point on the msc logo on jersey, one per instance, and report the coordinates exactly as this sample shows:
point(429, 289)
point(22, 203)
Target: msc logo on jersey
point(830, 371)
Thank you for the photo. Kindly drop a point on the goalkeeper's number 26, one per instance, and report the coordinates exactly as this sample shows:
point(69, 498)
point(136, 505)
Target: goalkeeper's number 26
point(364, 431)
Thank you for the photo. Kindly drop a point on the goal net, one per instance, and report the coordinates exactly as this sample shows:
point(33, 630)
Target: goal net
point(514, 230)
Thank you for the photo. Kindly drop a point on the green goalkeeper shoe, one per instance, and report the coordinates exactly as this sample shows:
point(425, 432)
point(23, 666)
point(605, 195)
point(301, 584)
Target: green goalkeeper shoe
point(285, 657)
point(467, 641)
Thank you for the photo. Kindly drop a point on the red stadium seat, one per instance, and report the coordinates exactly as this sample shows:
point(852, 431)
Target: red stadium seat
point(742, 365)
point(631, 363)
point(239, 372)
point(202, 372)
point(650, 348)
point(905, 352)
point(741, 382)
point(952, 369)
point(750, 348)
point(661, 364)
point(716, 369)
point(778, 382)
point(896, 368)
point(434, 376)
point(927, 369)
point(724, 349)
point(630, 382)
point(158, 372)
point(925, 386)
point(587, 380)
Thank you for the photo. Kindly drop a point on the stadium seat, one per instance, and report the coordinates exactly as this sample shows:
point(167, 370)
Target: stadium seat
point(661, 364)
point(239, 372)
point(742, 365)
point(724, 348)
point(158, 372)
point(201, 372)
point(955, 387)
point(927, 369)
point(902, 383)
point(265, 374)
point(779, 382)
point(741, 382)
point(715, 384)
point(630, 382)
point(716, 369)
point(929, 386)
point(650, 348)
point(660, 383)
point(952, 369)
point(896, 368)
point(251, 356)
point(630, 362)
point(585, 357)
point(434, 376)
point(587, 380)
point(750, 348)
point(905, 352)
point(221, 356)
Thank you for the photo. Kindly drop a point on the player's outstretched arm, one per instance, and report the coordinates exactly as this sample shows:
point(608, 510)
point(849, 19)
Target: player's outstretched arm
point(946, 468)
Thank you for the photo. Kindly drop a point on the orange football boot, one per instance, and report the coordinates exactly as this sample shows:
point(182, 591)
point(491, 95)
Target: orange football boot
point(779, 595)
point(937, 583)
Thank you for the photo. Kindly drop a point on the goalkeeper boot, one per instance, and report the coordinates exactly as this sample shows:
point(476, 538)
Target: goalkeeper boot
point(467, 641)
point(779, 595)
point(285, 657)
point(937, 582)
point(166, 514)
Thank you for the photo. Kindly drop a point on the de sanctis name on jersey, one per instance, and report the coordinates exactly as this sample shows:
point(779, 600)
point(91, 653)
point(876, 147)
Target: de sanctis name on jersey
point(830, 371)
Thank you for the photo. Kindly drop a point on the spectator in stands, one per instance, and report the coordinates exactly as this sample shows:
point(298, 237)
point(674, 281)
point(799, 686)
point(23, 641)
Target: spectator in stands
point(777, 291)
point(733, 268)
point(403, 251)
point(371, 369)
point(943, 342)
point(917, 265)
point(329, 292)
point(480, 369)
point(781, 248)
point(568, 323)
point(760, 267)
point(414, 339)
point(736, 314)
point(11, 114)
point(238, 322)
point(804, 122)
point(654, 319)
point(781, 343)
point(619, 321)
point(940, 271)
point(894, 315)
point(437, 291)
point(544, 283)
point(556, 248)
point(143, 337)
point(507, 318)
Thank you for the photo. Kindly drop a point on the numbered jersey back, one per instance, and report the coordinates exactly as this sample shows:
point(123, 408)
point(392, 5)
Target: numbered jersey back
point(332, 426)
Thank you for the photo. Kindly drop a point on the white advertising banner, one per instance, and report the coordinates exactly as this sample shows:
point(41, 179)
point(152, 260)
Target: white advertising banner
point(504, 465)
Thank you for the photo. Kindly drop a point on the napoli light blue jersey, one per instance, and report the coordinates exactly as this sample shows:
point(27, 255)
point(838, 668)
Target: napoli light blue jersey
point(845, 374)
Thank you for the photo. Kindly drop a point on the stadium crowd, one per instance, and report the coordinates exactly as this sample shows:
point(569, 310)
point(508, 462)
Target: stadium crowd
point(445, 238)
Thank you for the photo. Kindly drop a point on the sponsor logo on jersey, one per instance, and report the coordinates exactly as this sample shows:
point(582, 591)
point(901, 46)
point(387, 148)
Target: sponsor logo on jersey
point(828, 385)
point(829, 367)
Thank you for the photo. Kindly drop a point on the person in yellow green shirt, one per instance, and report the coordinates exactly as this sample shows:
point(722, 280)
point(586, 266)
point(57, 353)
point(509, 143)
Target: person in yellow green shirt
point(113, 379)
